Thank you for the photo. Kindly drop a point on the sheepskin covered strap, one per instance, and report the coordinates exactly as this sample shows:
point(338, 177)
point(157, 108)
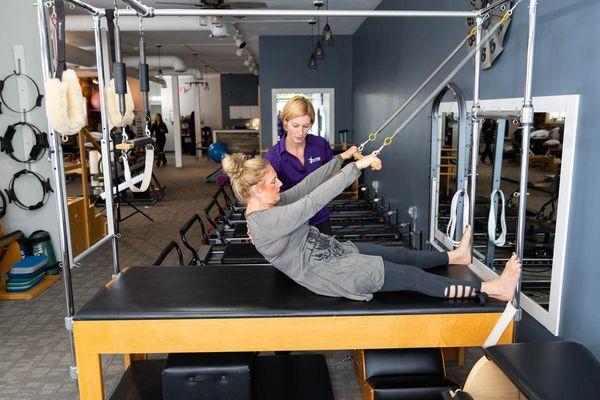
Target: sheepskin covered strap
point(147, 172)
point(112, 105)
point(65, 106)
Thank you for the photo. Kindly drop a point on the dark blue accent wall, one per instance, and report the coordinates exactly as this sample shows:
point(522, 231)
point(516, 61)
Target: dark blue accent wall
point(237, 90)
point(392, 56)
point(283, 61)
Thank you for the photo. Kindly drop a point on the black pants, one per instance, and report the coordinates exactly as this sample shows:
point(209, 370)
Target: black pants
point(405, 270)
point(325, 228)
point(487, 153)
point(160, 153)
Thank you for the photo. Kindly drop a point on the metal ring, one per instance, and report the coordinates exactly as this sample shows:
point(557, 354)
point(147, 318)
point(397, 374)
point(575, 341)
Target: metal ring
point(372, 136)
point(388, 140)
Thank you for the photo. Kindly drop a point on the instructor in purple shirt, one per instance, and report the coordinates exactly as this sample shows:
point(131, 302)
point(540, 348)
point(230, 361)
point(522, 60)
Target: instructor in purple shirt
point(297, 153)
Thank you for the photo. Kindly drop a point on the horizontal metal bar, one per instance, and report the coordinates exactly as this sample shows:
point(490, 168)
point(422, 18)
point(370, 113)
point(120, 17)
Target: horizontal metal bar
point(141, 9)
point(305, 13)
point(498, 114)
point(92, 248)
point(85, 6)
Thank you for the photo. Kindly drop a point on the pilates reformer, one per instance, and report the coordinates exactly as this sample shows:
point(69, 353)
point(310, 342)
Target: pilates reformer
point(262, 310)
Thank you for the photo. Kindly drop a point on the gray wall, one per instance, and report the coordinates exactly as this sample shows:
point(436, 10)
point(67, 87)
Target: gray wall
point(384, 73)
point(21, 22)
point(283, 61)
point(237, 90)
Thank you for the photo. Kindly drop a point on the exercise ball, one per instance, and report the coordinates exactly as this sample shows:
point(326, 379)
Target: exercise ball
point(217, 151)
point(95, 101)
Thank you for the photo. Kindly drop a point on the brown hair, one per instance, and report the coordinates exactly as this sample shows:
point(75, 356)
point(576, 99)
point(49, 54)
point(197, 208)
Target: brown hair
point(244, 173)
point(297, 106)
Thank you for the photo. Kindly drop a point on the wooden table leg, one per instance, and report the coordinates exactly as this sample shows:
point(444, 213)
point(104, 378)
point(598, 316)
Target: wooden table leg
point(89, 371)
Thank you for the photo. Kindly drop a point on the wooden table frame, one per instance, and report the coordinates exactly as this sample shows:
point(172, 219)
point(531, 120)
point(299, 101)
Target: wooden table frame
point(93, 338)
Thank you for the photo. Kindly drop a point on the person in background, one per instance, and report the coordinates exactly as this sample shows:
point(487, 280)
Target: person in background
point(488, 132)
point(297, 153)
point(159, 131)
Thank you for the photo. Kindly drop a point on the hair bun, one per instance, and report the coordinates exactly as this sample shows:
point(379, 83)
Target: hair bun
point(233, 165)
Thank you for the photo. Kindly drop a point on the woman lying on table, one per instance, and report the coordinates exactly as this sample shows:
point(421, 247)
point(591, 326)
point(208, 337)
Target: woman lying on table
point(278, 226)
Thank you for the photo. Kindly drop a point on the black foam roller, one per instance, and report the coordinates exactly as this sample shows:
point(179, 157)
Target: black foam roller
point(144, 80)
point(120, 78)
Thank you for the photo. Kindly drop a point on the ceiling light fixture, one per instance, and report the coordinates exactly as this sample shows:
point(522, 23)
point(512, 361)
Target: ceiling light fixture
point(319, 52)
point(312, 60)
point(160, 73)
point(327, 36)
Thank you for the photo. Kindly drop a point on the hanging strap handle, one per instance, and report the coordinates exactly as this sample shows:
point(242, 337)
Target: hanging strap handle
point(500, 240)
point(61, 63)
point(451, 228)
point(149, 162)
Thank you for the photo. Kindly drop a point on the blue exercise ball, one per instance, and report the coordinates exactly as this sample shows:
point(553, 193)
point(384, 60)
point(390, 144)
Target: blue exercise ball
point(217, 151)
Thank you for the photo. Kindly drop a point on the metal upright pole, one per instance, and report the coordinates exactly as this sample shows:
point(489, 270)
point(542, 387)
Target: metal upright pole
point(59, 181)
point(475, 124)
point(105, 144)
point(527, 124)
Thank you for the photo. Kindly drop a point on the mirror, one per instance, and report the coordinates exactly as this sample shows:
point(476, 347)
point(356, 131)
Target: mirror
point(551, 153)
point(323, 103)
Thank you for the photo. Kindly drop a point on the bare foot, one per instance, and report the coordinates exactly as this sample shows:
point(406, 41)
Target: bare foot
point(503, 288)
point(462, 254)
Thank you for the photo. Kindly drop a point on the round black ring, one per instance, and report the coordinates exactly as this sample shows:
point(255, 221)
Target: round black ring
point(38, 100)
point(37, 150)
point(46, 188)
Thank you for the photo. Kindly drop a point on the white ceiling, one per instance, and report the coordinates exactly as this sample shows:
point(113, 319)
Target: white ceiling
point(219, 54)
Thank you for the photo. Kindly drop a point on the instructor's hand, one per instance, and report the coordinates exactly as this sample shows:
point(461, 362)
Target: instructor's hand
point(349, 153)
point(369, 161)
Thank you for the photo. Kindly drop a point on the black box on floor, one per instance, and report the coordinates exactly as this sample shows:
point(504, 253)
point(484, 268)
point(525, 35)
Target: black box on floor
point(210, 376)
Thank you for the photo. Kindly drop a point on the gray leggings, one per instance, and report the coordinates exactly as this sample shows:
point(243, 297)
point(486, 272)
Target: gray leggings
point(404, 271)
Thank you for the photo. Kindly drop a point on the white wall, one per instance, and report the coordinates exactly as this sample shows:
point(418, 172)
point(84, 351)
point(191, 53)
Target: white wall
point(21, 22)
point(210, 103)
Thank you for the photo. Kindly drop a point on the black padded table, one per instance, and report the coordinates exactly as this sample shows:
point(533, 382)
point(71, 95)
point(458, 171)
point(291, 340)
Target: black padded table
point(549, 370)
point(205, 309)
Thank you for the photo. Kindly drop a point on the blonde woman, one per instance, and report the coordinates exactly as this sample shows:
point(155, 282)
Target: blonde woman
point(298, 153)
point(278, 224)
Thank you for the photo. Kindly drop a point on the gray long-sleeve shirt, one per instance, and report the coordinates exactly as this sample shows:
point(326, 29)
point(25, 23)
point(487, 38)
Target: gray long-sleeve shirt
point(314, 260)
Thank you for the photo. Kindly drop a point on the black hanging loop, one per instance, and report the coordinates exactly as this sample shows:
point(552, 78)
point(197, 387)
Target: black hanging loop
point(16, 75)
point(44, 183)
point(37, 150)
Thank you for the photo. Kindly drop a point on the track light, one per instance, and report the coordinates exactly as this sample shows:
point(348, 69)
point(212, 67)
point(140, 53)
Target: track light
point(240, 43)
point(240, 52)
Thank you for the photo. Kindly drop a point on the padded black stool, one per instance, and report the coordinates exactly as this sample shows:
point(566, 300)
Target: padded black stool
point(404, 374)
point(210, 376)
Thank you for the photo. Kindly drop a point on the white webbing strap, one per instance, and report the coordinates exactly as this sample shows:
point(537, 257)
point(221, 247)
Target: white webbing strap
point(451, 228)
point(147, 172)
point(507, 315)
point(492, 219)
point(123, 186)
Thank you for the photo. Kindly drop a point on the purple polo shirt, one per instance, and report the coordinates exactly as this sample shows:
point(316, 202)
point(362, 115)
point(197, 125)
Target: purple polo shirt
point(290, 170)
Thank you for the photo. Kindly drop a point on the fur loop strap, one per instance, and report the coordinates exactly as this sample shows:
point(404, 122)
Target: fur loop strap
point(64, 104)
point(112, 104)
